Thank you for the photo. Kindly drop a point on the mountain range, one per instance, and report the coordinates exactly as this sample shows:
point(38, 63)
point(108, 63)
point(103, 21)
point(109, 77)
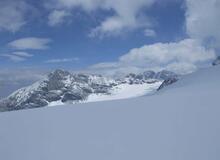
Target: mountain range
point(63, 87)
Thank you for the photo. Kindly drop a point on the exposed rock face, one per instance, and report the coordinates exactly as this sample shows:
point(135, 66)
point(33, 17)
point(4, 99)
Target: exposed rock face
point(149, 75)
point(58, 85)
point(70, 88)
point(70, 96)
point(167, 82)
point(216, 61)
point(56, 79)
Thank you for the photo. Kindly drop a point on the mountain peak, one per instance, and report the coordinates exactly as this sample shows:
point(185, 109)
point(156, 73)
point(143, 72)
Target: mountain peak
point(165, 74)
point(58, 73)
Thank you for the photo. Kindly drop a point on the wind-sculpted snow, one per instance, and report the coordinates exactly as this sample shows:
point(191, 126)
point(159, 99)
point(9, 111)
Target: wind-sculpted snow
point(62, 87)
point(179, 122)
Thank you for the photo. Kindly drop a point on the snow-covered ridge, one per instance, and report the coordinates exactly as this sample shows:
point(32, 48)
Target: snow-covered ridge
point(62, 87)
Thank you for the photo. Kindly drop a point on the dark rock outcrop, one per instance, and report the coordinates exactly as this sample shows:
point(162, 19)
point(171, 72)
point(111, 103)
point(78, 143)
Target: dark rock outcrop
point(216, 61)
point(168, 82)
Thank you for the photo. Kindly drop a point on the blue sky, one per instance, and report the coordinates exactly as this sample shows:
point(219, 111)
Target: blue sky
point(71, 39)
point(108, 35)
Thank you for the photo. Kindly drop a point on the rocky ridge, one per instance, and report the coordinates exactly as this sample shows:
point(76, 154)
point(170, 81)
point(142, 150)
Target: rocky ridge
point(73, 88)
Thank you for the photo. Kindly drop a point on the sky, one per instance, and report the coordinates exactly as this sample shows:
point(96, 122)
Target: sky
point(106, 36)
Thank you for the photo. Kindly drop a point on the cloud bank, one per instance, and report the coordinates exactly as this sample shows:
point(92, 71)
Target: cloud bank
point(202, 26)
point(182, 57)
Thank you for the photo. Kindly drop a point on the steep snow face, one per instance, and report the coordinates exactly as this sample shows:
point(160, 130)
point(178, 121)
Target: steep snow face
point(180, 122)
point(23, 94)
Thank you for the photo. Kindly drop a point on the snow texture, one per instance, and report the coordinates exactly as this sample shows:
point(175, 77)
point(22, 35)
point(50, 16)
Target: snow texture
point(180, 122)
point(124, 91)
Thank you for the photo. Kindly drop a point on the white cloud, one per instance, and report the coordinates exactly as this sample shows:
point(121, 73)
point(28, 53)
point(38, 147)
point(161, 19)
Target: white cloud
point(187, 50)
point(30, 43)
point(202, 20)
point(182, 57)
point(57, 17)
point(149, 33)
point(105, 65)
point(22, 54)
point(14, 58)
point(12, 14)
point(182, 67)
point(61, 60)
point(126, 15)
point(111, 27)
point(17, 56)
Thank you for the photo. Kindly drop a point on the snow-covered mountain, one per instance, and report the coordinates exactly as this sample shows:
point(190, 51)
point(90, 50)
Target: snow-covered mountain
point(62, 87)
point(180, 122)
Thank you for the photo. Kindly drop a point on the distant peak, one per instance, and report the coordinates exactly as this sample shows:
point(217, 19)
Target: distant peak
point(59, 73)
point(164, 74)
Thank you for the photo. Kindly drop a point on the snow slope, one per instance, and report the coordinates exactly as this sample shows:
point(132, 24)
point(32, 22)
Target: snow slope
point(124, 91)
point(121, 91)
point(181, 122)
